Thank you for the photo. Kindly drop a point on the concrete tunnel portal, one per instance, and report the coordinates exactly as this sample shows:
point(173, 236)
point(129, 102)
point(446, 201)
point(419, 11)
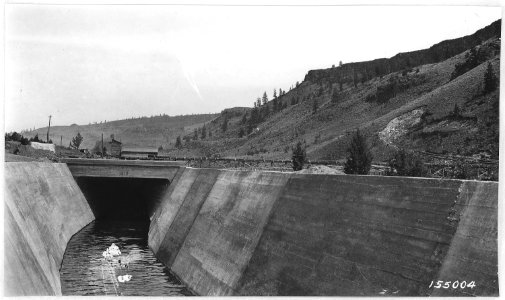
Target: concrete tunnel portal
point(118, 189)
point(123, 198)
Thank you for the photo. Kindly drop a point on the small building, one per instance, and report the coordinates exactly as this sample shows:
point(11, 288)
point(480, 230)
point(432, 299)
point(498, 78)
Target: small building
point(139, 152)
point(114, 148)
point(110, 148)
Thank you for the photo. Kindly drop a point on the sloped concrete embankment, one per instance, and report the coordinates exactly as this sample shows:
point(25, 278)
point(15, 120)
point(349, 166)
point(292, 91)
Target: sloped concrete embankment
point(264, 233)
point(44, 207)
point(209, 228)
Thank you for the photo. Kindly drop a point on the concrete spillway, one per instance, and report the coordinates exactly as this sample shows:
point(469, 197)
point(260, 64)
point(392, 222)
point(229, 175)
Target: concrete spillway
point(229, 232)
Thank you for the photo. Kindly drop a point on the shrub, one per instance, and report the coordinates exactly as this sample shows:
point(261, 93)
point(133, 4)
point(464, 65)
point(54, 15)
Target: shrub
point(472, 60)
point(384, 92)
point(360, 158)
point(404, 163)
point(13, 137)
point(460, 171)
point(17, 138)
point(35, 138)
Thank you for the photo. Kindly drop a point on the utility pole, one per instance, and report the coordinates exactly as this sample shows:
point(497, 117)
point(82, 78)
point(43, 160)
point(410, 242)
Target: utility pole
point(47, 140)
point(102, 145)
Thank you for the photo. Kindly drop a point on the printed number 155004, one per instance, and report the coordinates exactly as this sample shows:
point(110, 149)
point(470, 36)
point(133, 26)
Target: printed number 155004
point(452, 284)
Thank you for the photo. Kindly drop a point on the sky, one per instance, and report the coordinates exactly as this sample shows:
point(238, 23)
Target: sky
point(89, 63)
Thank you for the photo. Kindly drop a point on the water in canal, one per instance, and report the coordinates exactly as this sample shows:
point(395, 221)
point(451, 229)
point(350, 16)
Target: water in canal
point(84, 270)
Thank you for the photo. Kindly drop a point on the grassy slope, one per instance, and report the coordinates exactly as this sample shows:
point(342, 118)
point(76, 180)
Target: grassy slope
point(154, 131)
point(326, 133)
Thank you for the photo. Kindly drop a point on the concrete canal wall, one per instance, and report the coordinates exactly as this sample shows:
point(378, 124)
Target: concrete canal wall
point(229, 232)
point(226, 232)
point(44, 207)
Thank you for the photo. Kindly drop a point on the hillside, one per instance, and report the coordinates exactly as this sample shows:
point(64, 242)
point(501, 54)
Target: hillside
point(411, 108)
point(146, 131)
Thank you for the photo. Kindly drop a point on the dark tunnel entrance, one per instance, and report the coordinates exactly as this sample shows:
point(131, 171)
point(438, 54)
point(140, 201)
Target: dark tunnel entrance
point(122, 207)
point(123, 198)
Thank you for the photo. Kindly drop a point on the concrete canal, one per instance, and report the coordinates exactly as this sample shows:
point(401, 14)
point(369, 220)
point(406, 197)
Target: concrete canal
point(85, 272)
point(225, 232)
point(122, 207)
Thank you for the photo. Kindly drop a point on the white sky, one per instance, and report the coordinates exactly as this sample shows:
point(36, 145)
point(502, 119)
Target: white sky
point(83, 64)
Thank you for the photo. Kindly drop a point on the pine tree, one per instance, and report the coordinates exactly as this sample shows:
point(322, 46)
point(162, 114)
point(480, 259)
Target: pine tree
point(224, 126)
point(490, 80)
point(265, 98)
point(299, 157)
point(204, 132)
point(360, 158)
point(258, 102)
point(178, 143)
point(254, 116)
point(76, 141)
point(241, 133)
point(195, 135)
point(275, 94)
point(265, 111)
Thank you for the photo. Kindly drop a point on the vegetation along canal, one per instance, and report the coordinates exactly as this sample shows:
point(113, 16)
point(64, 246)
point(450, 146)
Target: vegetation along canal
point(85, 271)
